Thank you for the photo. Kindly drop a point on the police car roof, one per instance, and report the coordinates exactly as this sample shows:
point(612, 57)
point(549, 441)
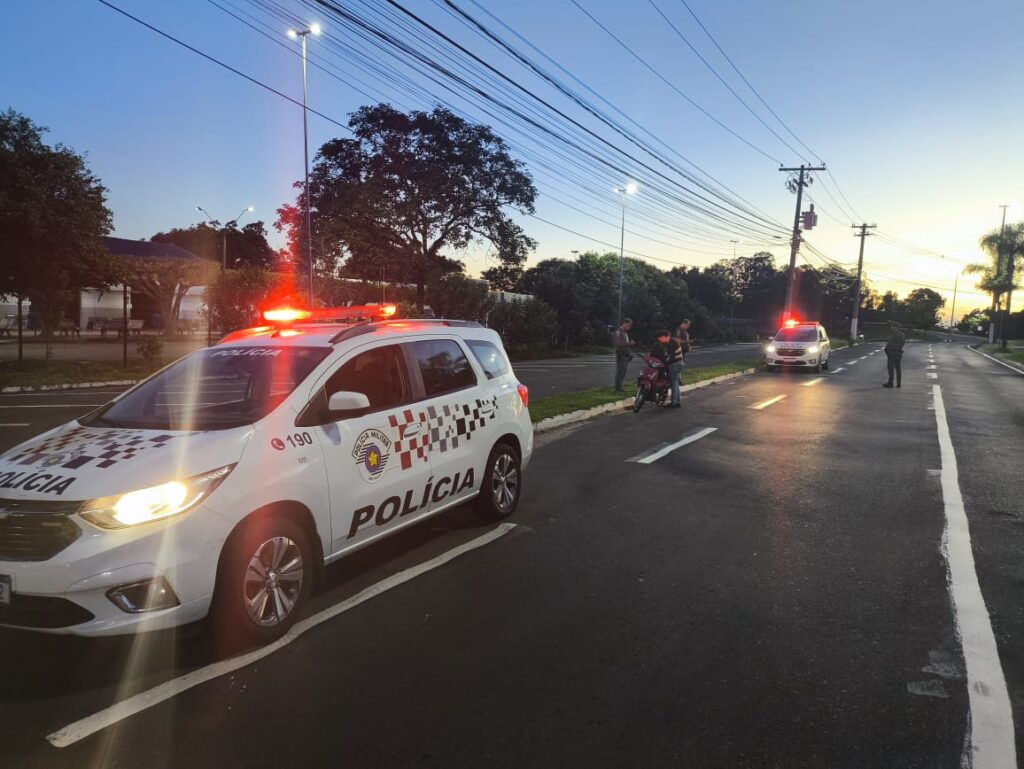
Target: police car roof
point(330, 334)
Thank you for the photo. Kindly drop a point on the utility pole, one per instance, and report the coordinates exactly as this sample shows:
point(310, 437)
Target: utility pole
point(995, 293)
point(1011, 257)
point(856, 285)
point(799, 183)
point(952, 310)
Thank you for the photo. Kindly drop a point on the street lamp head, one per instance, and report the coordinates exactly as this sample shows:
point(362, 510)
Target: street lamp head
point(250, 208)
point(314, 28)
point(632, 187)
point(293, 34)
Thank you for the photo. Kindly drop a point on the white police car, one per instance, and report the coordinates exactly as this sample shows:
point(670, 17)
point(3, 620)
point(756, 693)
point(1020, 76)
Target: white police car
point(796, 344)
point(222, 484)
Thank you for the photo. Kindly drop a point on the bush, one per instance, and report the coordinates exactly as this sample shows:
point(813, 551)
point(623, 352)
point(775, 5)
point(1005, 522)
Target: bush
point(150, 349)
point(530, 323)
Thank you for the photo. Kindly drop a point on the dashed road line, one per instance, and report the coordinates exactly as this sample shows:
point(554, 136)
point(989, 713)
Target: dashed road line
point(767, 403)
point(932, 375)
point(656, 454)
point(991, 719)
point(836, 371)
point(811, 383)
point(119, 711)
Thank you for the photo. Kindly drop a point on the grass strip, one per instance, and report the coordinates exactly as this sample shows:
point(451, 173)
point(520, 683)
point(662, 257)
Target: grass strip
point(554, 405)
point(38, 373)
point(1012, 354)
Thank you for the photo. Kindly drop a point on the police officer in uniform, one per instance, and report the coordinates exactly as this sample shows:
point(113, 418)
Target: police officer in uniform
point(894, 354)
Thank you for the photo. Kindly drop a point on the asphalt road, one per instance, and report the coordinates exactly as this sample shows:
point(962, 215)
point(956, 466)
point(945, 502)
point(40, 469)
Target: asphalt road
point(562, 375)
point(773, 594)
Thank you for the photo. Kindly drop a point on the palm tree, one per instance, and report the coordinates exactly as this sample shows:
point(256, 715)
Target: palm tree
point(999, 277)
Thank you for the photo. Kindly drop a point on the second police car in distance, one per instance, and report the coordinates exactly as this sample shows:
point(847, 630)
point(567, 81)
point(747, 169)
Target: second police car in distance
point(223, 484)
point(800, 345)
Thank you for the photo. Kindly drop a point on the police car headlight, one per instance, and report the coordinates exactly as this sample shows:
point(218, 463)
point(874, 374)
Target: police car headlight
point(770, 348)
point(812, 349)
point(120, 511)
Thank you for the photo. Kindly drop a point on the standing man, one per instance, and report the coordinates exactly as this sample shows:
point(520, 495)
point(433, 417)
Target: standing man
point(682, 337)
point(894, 354)
point(675, 368)
point(622, 347)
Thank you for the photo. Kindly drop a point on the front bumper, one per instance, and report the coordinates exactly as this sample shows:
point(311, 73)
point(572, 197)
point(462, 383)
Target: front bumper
point(791, 361)
point(68, 593)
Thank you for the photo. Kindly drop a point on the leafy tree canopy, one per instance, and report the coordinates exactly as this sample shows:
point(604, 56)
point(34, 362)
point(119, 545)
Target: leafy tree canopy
point(52, 212)
point(407, 193)
point(246, 247)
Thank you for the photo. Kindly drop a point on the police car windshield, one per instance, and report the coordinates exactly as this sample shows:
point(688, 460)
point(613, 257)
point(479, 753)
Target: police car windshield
point(214, 389)
point(805, 334)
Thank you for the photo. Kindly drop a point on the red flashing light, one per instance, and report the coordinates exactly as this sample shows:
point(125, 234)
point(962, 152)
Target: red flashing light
point(285, 315)
point(388, 310)
point(791, 322)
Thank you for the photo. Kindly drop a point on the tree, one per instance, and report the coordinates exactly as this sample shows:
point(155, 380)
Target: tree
point(524, 324)
point(246, 247)
point(53, 214)
point(1006, 247)
point(921, 308)
point(407, 193)
point(166, 280)
point(456, 296)
point(236, 298)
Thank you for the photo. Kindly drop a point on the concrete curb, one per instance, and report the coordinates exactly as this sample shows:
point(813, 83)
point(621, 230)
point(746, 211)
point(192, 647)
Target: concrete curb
point(553, 423)
point(70, 386)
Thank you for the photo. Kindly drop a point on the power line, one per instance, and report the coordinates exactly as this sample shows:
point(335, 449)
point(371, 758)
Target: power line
point(219, 63)
point(670, 84)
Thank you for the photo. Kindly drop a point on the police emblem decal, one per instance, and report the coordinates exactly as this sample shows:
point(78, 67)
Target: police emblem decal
point(371, 451)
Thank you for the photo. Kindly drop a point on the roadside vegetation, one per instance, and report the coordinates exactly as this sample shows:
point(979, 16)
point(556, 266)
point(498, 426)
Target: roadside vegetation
point(566, 403)
point(1014, 350)
point(39, 373)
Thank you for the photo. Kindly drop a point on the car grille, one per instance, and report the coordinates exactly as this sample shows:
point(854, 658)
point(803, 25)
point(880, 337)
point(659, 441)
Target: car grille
point(35, 530)
point(37, 611)
point(784, 352)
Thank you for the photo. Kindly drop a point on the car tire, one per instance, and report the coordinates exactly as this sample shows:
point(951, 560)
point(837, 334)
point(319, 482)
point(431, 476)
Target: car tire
point(502, 485)
point(828, 361)
point(817, 367)
point(264, 579)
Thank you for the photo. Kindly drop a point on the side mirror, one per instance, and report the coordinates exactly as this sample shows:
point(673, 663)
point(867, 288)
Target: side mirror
point(344, 404)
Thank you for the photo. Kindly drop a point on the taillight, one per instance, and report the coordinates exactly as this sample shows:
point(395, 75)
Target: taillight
point(524, 394)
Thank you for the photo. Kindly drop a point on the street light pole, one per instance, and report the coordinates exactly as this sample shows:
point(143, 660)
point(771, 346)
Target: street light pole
point(293, 34)
point(630, 189)
point(223, 256)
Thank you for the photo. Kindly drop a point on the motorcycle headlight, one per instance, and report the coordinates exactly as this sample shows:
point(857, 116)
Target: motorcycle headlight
point(770, 348)
point(120, 511)
point(812, 349)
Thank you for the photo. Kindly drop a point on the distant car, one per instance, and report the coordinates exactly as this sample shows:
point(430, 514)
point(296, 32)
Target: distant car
point(222, 484)
point(800, 345)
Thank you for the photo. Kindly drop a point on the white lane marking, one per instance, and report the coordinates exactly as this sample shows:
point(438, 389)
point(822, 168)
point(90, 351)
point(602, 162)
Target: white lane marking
point(51, 406)
point(767, 403)
point(811, 383)
point(991, 722)
point(1000, 362)
point(862, 357)
point(81, 729)
point(852, 362)
point(932, 375)
point(14, 424)
point(930, 366)
point(656, 454)
point(836, 371)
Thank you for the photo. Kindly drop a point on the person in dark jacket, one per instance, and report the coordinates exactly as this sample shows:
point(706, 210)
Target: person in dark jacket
point(623, 345)
point(894, 355)
point(664, 350)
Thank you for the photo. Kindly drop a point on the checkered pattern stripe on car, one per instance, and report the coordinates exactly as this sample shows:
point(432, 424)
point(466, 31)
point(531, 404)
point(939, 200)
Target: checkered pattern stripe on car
point(440, 428)
point(88, 448)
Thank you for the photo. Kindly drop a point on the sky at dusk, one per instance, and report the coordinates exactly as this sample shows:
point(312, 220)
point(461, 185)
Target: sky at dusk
point(915, 107)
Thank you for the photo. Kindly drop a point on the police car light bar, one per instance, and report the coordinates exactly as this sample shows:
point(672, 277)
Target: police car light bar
point(285, 315)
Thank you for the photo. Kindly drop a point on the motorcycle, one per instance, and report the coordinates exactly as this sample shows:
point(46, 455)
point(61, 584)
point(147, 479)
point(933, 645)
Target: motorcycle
point(652, 385)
